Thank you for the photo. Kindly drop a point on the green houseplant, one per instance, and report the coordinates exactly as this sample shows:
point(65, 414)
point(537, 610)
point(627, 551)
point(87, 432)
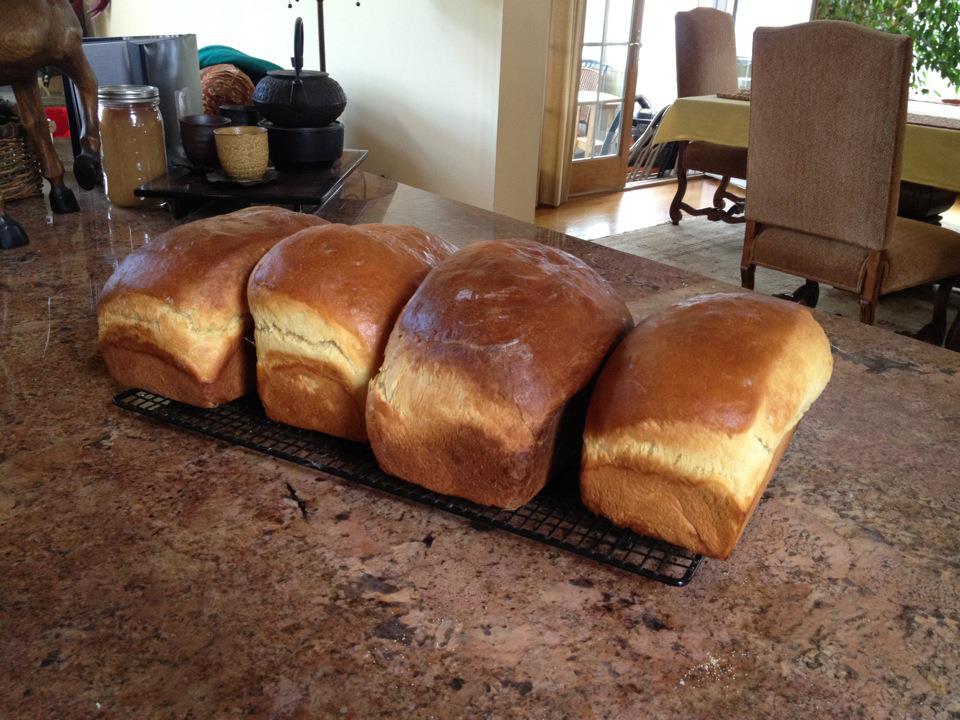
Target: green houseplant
point(934, 26)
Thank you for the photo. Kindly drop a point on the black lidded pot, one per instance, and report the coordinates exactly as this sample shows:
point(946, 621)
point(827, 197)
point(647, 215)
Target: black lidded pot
point(298, 97)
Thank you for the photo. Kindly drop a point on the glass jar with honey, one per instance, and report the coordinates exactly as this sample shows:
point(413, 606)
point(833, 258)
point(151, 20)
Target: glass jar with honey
point(132, 148)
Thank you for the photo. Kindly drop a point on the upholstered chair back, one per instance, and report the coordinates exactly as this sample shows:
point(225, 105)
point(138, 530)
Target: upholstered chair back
point(706, 53)
point(828, 109)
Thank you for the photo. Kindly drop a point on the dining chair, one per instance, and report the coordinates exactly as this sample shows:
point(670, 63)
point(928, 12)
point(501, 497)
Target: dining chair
point(593, 76)
point(827, 121)
point(590, 78)
point(707, 65)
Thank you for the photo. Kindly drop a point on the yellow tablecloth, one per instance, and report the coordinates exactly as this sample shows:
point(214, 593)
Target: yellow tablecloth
point(931, 155)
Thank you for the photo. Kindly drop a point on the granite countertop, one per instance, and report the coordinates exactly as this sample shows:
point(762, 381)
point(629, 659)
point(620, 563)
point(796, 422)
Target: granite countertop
point(147, 572)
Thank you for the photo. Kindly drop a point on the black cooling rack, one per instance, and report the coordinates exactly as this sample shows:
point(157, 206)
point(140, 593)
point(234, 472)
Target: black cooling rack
point(555, 517)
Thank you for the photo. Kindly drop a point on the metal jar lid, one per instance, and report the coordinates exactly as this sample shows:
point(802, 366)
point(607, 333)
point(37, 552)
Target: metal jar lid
point(128, 94)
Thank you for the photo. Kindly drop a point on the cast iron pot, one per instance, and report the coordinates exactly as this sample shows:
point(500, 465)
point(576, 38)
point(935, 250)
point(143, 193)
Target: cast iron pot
point(298, 97)
point(303, 149)
point(240, 114)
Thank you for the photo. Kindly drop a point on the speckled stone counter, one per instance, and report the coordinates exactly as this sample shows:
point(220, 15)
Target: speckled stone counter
point(150, 573)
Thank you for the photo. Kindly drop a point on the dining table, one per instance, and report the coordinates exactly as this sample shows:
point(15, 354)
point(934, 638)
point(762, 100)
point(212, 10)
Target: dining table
point(931, 148)
point(149, 572)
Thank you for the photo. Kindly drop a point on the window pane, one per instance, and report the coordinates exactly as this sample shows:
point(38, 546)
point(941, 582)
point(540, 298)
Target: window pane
point(615, 69)
point(657, 58)
point(619, 15)
point(606, 135)
point(603, 73)
point(591, 53)
point(593, 23)
point(752, 14)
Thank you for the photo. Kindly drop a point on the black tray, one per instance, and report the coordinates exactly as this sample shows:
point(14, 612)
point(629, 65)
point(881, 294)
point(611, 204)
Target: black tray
point(555, 517)
point(184, 186)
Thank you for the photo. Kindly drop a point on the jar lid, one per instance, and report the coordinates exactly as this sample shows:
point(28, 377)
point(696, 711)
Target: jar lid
point(128, 93)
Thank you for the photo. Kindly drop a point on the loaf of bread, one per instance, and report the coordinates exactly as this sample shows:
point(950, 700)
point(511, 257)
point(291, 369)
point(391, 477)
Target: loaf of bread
point(173, 317)
point(481, 364)
point(692, 413)
point(323, 303)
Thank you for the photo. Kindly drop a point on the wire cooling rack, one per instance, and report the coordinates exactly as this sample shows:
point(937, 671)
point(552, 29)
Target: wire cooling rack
point(555, 517)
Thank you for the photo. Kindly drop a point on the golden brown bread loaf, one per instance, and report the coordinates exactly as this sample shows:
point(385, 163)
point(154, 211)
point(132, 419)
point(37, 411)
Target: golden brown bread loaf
point(692, 413)
point(481, 364)
point(173, 316)
point(323, 303)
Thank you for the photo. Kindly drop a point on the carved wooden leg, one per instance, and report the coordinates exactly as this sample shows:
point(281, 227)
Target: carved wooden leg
point(737, 209)
point(678, 206)
point(62, 199)
point(86, 167)
point(935, 330)
point(675, 213)
point(870, 295)
point(732, 215)
point(721, 193)
point(748, 269)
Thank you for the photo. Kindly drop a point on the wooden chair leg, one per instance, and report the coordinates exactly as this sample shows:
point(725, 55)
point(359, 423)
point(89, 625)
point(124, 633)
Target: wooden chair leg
point(675, 214)
point(935, 331)
point(952, 341)
point(870, 294)
point(748, 269)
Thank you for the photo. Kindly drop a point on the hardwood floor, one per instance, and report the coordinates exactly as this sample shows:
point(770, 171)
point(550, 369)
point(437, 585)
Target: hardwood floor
point(590, 217)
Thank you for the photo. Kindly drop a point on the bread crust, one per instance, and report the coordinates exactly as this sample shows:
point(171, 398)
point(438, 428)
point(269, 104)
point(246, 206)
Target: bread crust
point(173, 317)
point(692, 413)
point(324, 301)
point(481, 364)
point(144, 369)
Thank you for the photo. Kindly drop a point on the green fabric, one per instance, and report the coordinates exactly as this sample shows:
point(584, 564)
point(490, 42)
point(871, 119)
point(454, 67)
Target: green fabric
point(256, 68)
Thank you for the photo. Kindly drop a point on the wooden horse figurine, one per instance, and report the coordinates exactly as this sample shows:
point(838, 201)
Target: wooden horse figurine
point(34, 34)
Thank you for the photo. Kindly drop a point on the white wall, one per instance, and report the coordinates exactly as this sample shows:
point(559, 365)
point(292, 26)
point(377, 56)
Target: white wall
point(422, 79)
point(523, 62)
point(262, 28)
point(446, 94)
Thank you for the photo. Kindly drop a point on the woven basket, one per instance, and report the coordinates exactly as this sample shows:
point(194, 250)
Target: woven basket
point(224, 85)
point(19, 166)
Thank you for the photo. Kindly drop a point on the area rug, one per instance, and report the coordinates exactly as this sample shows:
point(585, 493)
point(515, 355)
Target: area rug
point(713, 249)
